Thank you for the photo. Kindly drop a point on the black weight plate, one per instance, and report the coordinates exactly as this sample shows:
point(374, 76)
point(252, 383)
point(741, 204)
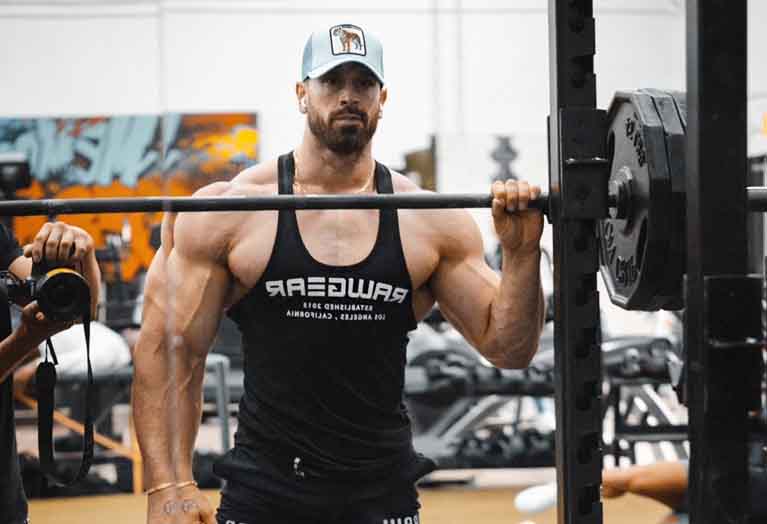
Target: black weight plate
point(668, 103)
point(634, 246)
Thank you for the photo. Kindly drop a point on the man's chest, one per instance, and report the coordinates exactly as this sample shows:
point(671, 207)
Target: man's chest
point(330, 238)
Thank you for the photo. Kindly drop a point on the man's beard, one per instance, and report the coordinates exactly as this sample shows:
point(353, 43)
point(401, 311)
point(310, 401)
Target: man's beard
point(343, 140)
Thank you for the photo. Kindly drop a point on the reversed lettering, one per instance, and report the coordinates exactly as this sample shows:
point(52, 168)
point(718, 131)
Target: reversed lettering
point(275, 288)
point(398, 295)
point(316, 286)
point(296, 287)
point(336, 287)
point(383, 291)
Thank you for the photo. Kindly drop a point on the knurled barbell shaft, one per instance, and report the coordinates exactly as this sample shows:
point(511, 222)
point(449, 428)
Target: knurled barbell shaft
point(55, 207)
point(757, 201)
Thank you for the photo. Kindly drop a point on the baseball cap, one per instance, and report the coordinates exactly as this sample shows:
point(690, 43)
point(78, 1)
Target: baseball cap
point(332, 46)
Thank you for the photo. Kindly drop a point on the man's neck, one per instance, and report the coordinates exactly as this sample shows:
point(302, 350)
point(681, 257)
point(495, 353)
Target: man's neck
point(323, 170)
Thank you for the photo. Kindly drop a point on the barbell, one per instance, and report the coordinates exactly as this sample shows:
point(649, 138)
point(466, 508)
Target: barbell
point(757, 201)
point(641, 243)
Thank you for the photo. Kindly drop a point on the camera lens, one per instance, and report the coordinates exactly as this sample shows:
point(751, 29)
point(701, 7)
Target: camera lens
point(63, 295)
point(59, 295)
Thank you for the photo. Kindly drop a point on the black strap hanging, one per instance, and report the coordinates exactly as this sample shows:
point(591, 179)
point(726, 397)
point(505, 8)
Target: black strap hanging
point(46, 385)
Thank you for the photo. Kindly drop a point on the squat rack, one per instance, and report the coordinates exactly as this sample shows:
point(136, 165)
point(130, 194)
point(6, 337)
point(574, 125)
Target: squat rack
point(723, 304)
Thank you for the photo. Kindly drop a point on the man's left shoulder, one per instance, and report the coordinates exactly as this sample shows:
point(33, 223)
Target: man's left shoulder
point(453, 225)
point(404, 184)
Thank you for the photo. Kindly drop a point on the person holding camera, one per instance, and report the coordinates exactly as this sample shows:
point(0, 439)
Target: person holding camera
point(56, 244)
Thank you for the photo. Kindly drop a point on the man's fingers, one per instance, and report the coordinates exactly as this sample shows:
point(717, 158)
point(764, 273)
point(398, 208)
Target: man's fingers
point(31, 314)
point(523, 195)
point(30, 311)
point(535, 192)
point(196, 512)
point(38, 243)
point(39, 315)
point(81, 247)
point(51, 251)
point(59, 243)
point(498, 189)
point(609, 492)
point(65, 246)
point(512, 196)
point(499, 208)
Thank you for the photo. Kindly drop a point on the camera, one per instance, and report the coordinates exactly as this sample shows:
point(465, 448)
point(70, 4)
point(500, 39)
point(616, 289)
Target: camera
point(62, 293)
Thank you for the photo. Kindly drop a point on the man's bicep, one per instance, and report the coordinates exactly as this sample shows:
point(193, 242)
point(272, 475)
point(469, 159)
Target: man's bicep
point(464, 286)
point(184, 298)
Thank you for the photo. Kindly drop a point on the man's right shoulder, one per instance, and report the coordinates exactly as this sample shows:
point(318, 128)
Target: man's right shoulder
point(256, 180)
point(221, 227)
point(263, 175)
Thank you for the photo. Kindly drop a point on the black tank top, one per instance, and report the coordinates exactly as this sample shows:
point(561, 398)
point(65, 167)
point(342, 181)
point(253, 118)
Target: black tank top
point(324, 349)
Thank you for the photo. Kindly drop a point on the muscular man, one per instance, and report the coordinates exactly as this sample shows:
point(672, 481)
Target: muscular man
point(59, 244)
point(324, 300)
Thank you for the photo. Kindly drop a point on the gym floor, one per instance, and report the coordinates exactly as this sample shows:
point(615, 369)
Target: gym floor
point(487, 499)
point(446, 505)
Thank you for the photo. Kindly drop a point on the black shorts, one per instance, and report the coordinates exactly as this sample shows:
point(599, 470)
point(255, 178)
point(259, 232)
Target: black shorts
point(243, 505)
point(259, 492)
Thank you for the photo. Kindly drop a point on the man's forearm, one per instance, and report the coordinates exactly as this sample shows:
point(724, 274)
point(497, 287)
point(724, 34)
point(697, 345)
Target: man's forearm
point(167, 405)
point(188, 413)
point(151, 410)
point(516, 313)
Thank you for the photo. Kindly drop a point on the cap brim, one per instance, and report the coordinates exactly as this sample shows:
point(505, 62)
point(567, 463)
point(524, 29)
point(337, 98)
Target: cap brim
point(319, 71)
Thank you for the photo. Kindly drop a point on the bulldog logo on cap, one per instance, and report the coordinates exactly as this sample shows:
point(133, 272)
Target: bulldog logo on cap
point(347, 39)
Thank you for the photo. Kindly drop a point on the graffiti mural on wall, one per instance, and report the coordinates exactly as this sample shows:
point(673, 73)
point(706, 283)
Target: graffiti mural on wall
point(123, 156)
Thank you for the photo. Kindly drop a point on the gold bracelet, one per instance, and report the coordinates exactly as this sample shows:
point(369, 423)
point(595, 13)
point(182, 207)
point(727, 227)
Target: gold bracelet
point(186, 483)
point(160, 487)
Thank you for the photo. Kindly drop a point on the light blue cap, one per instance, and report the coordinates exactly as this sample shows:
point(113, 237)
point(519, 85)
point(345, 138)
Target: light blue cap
point(332, 46)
